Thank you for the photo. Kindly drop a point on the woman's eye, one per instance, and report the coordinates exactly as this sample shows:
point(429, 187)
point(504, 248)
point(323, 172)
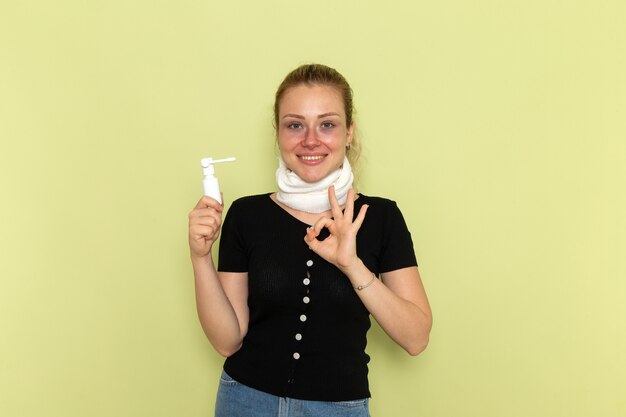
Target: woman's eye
point(328, 125)
point(294, 125)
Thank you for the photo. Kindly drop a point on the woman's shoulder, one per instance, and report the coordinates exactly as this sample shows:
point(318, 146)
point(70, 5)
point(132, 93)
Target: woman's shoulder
point(375, 201)
point(378, 207)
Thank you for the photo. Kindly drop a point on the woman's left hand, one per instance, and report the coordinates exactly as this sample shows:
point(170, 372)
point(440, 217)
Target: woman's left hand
point(340, 247)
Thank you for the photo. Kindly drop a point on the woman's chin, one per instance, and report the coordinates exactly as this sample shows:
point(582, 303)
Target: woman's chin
point(310, 180)
point(310, 175)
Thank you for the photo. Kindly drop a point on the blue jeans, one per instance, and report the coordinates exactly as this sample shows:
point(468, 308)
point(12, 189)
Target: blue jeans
point(237, 400)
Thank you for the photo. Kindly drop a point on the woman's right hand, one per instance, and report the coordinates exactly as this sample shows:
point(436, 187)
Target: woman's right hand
point(205, 221)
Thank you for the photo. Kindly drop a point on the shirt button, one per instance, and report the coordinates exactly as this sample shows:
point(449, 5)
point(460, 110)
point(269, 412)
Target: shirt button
point(298, 336)
point(306, 281)
point(306, 300)
point(303, 317)
point(309, 263)
point(296, 356)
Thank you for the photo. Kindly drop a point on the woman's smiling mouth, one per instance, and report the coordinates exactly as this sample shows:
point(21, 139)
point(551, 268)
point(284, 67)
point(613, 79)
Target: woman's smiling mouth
point(311, 157)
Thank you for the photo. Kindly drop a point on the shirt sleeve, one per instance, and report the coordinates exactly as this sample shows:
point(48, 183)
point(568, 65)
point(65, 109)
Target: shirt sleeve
point(397, 248)
point(233, 256)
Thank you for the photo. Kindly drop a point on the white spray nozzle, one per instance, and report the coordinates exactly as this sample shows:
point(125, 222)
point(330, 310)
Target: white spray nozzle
point(208, 161)
point(207, 164)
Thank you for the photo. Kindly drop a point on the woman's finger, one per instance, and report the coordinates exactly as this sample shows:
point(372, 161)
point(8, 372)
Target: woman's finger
point(207, 201)
point(310, 237)
point(334, 204)
point(206, 221)
point(349, 210)
point(359, 219)
point(205, 212)
point(321, 223)
point(203, 231)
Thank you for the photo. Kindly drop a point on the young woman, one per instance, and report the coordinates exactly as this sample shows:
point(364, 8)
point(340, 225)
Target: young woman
point(302, 269)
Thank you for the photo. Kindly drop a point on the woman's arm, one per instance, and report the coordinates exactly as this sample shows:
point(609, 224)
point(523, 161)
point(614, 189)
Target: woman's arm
point(221, 299)
point(398, 303)
point(221, 302)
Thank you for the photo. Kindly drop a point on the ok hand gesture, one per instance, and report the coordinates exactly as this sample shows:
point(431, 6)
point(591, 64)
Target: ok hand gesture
point(340, 247)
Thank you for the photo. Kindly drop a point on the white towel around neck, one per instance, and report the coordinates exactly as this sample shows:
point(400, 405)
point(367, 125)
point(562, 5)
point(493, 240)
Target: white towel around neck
point(312, 197)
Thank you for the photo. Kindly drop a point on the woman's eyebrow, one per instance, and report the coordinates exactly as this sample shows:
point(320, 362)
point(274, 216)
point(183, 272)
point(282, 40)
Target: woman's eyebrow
point(297, 116)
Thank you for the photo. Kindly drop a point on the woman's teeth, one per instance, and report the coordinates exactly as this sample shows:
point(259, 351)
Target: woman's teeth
point(312, 158)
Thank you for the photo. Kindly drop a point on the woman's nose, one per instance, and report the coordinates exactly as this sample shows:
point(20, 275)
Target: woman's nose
point(310, 138)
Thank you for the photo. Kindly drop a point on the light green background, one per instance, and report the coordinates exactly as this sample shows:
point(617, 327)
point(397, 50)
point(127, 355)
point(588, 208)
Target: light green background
point(499, 127)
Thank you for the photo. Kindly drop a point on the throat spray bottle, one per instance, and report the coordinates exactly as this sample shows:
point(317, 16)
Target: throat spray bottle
point(209, 183)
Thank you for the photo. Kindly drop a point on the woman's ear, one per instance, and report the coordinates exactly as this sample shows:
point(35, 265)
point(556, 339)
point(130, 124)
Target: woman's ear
point(350, 134)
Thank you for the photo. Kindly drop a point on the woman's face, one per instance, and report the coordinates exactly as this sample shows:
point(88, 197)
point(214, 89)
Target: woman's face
point(312, 131)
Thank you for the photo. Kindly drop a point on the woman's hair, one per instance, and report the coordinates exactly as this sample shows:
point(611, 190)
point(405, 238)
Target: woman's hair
point(317, 74)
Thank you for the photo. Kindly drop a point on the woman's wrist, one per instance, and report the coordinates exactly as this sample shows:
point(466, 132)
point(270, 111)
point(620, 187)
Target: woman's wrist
point(202, 260)
point(364, 286)
point(359, 275)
